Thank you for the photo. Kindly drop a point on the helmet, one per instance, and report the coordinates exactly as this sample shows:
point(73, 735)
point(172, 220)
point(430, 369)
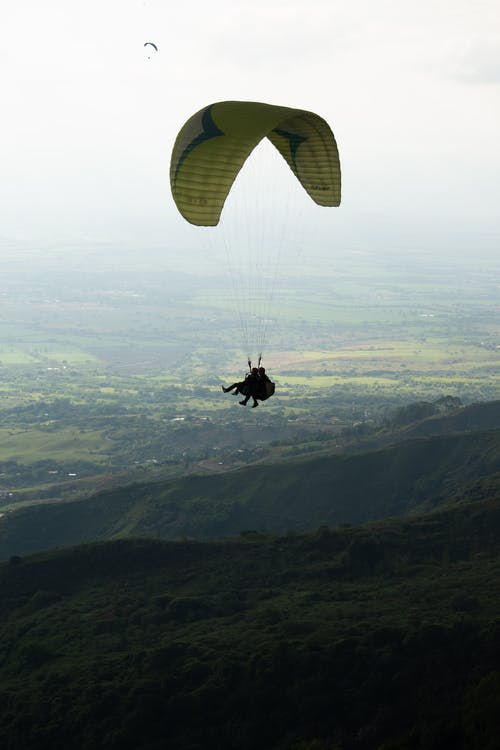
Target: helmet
point(262, 370)
point(255, 370)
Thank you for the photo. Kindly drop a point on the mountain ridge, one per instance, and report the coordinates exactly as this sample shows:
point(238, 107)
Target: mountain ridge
point(300, 494)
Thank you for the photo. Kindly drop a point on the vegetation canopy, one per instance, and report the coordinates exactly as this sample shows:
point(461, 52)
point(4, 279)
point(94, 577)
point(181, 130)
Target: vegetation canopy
point(385, 636)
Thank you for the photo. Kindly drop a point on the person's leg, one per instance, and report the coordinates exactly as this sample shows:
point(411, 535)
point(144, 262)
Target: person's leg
point(230, 388)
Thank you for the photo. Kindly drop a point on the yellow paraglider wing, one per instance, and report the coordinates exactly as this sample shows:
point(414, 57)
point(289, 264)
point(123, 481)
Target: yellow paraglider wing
point(213, 145)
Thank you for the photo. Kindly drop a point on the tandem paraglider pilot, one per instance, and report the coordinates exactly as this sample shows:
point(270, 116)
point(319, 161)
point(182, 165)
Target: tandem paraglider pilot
point(208, 153)
point(257, 386)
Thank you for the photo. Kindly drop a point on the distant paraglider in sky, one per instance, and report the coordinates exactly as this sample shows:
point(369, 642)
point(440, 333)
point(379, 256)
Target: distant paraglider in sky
point(153, 45)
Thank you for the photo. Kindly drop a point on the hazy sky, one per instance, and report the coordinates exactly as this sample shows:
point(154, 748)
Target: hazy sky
point(410, 89)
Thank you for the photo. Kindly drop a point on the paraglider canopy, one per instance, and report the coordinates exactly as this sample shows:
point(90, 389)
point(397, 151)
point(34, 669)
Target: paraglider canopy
point(209, 152)
point(151, 44)
point(214, 143)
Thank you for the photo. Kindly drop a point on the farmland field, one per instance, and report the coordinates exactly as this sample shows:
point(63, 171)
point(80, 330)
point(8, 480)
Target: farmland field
point(111, 360)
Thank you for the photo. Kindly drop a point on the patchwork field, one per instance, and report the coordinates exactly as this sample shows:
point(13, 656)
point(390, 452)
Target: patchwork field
point(115, 367)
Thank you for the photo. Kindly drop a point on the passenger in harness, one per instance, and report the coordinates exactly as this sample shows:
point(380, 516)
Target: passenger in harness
point(265, 387)
point(256, 385)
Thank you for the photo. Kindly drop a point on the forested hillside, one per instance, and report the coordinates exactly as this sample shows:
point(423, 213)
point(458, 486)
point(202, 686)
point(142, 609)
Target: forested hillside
point(442, 417)
point(293, 495)
point(384, 636)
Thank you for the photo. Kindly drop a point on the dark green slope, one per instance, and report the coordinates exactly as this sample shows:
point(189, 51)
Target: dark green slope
point(384, 637)
point(297, 495)
point(475, 417)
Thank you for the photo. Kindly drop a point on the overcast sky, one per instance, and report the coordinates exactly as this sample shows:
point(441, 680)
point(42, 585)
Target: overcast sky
point(410, 89)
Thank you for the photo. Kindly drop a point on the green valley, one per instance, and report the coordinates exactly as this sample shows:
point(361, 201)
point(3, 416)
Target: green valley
point(111, 361)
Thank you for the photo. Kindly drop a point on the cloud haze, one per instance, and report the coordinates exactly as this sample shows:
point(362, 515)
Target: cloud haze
point(410, 91)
